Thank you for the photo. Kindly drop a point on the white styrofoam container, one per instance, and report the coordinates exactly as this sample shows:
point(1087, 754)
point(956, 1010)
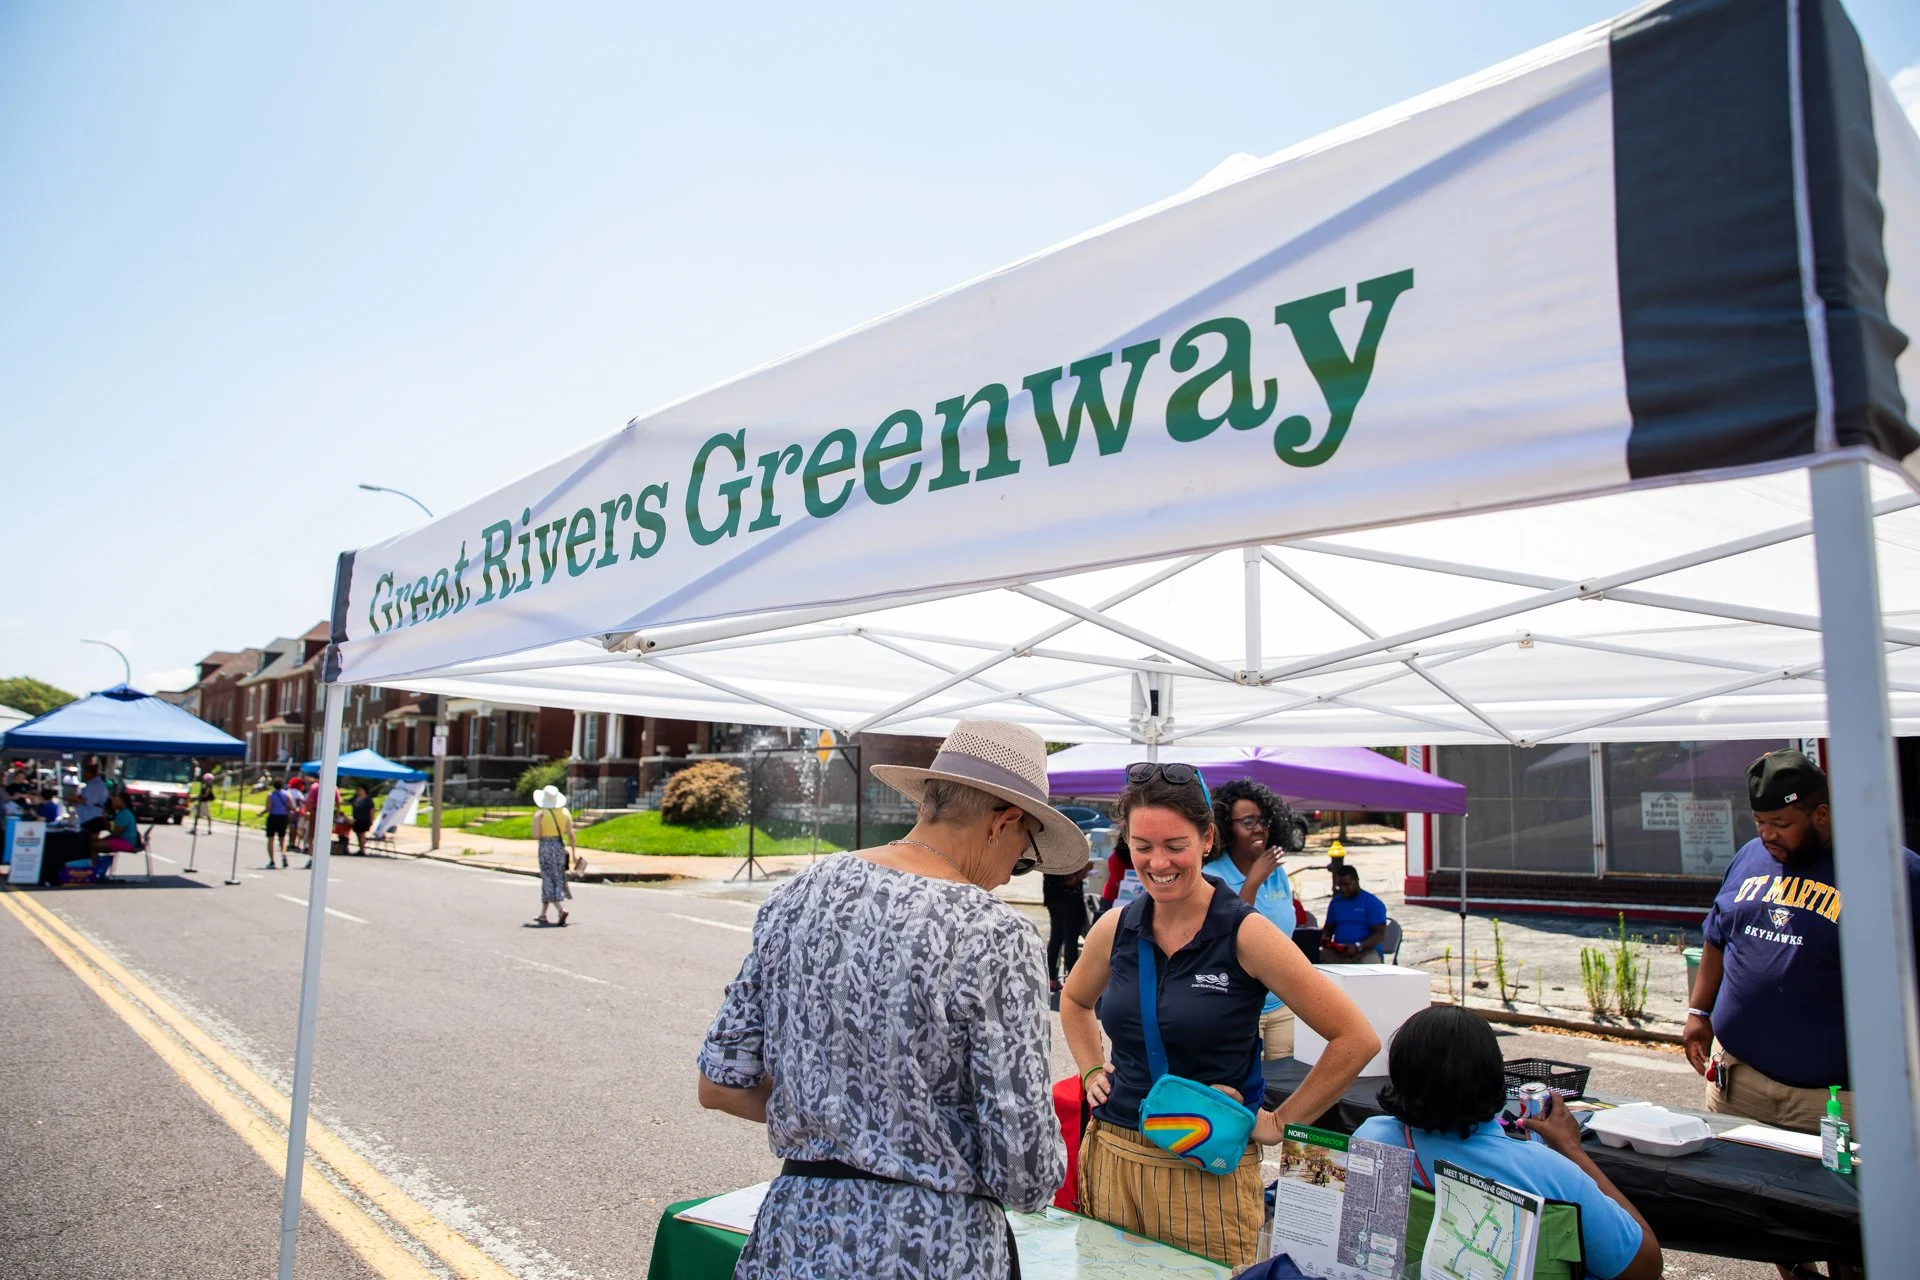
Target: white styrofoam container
point(1388, 994)
point(1651, 1130)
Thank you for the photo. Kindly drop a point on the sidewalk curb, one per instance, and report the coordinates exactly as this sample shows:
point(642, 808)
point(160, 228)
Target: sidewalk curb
point(1514, 1018)
point(588, 877)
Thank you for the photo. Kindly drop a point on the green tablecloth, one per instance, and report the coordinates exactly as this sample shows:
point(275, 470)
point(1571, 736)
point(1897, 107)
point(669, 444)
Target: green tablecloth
point(691, 1251)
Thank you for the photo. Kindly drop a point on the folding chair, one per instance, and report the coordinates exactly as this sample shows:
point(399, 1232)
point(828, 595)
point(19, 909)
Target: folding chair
point(1390, 945)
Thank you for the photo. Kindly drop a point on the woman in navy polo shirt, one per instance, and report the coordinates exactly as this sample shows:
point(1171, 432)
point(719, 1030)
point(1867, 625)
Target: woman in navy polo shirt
point(1216, 960)
point(1447, 1085)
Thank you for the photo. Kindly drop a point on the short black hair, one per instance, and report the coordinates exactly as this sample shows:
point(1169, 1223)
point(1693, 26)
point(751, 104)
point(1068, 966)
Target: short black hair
point(1346, 869)
point(1445, 1073)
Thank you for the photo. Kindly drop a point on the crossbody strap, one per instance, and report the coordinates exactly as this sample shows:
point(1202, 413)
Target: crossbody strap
point(1150, 1009)
point(1419, 1170)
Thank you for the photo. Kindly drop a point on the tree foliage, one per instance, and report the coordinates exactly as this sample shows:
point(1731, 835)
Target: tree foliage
point(712, 793)
point(35, 697)
point(535, 776)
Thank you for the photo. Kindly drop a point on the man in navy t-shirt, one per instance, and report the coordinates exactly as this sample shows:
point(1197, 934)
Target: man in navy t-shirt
point(1767, 1025)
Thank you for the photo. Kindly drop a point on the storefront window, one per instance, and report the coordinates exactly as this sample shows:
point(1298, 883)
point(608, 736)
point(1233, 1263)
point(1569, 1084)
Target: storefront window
point(1679, 808)
point(1529, 809)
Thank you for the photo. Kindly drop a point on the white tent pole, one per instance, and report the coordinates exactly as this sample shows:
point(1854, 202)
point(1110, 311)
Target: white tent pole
point(1338, 695)
point(723, 686)
point(336, 704)
point(999, 694)
point(1040, 637)
point(1876, 944)
point(1250, 568)
point(1119, 628)
point(987, 699)
point(1680, 700)
point(1412, 664)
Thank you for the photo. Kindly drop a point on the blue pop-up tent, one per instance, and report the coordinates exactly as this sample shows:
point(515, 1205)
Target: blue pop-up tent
point(368, 763)
point(121, 721)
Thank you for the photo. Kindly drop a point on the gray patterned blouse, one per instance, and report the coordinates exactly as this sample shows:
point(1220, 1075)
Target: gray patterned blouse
point(904, 1022)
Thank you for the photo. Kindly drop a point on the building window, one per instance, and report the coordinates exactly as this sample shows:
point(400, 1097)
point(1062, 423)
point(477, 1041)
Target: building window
point(590, 737)
point(1531, 809)
point(1679, 808)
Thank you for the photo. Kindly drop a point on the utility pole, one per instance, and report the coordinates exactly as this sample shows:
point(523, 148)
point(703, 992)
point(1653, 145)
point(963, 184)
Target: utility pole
point(439, 762)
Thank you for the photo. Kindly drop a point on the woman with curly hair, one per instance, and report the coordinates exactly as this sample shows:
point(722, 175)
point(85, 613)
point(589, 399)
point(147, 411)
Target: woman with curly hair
point(1252, 819)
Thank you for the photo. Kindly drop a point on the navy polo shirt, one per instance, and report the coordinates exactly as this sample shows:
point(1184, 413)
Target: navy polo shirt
point(1779, 1007)
point(1209, 1006)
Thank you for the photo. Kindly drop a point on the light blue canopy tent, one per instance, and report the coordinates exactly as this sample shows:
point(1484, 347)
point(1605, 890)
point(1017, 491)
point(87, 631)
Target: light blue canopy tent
point(368, 763)
point(121, 721)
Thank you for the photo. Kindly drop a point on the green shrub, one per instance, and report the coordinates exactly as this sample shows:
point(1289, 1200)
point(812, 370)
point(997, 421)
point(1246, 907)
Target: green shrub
point(712, 793)
point(535, 776)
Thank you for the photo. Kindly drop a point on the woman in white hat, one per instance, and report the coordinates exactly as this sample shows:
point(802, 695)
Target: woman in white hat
point(890, 1028)
point(553, 828)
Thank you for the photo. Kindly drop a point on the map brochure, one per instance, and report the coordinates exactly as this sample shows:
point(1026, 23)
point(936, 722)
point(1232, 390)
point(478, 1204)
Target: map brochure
point(1481, 1229)
point(1340, 1206)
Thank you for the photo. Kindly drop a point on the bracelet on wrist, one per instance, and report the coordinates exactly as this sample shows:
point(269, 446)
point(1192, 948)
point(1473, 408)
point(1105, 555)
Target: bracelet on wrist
point(1087, 1074)
point(1700, 1013)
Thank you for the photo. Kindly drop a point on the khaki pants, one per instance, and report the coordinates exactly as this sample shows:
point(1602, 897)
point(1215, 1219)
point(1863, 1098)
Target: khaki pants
point(1129, 1183)
point(1756, 1096)
point(1276, 1034)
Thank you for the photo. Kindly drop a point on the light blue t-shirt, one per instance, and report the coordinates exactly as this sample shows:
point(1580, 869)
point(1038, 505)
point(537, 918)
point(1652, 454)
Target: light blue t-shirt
point(1274, 900)
point(1608, 1234)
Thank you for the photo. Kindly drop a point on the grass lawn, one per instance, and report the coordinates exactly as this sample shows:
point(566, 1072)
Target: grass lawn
point(464, 817)
point(643, 832)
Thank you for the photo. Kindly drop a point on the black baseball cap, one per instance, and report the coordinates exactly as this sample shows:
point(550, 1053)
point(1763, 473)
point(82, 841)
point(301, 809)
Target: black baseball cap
point(1780, 778)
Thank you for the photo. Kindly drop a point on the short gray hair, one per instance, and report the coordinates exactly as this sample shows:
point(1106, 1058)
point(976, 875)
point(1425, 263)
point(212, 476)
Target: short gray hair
point(944, 801)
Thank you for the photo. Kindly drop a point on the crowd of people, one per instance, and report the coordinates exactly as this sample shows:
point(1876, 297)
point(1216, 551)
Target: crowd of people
point(890, 1028)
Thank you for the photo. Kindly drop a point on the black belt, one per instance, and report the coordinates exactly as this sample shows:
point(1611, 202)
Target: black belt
point(839, 1169)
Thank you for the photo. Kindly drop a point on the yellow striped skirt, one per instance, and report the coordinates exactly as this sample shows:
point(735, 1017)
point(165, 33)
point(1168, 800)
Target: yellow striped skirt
point(1127, 1181)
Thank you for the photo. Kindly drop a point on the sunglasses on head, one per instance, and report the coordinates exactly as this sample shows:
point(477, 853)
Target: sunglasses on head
point(1174, 772)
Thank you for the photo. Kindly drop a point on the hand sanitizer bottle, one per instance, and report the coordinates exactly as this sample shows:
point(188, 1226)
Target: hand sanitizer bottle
point(1835, 1152)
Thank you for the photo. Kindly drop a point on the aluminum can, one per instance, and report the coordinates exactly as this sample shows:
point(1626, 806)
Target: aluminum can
point(1533, 1096)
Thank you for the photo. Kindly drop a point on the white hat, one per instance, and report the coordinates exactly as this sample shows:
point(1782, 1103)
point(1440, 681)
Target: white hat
point(1008, 761)
point(550, 798)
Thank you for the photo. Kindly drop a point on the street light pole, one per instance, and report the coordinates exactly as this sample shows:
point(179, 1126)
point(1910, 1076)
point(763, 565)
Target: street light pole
point(401, 493)
point(125, 665)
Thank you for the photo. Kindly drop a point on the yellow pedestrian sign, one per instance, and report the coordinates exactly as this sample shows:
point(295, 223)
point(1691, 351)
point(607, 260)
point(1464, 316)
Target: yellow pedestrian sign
point(824, 746)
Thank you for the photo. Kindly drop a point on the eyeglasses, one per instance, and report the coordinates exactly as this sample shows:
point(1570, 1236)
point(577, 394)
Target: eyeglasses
point(1254, 823)
point(1027, 861)
point(1174, 772)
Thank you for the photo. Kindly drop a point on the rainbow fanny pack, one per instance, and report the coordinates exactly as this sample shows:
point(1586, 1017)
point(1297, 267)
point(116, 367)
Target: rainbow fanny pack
point(1194, 1121)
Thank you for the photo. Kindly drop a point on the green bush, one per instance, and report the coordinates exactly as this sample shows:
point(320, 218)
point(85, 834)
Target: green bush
point(712, 793)
point(533, 777)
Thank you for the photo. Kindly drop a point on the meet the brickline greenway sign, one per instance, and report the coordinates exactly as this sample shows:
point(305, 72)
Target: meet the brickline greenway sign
point(729, 487)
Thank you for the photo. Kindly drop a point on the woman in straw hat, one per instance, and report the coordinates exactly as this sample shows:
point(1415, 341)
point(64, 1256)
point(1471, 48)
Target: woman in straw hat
point(553, 828)
point(890, 1028)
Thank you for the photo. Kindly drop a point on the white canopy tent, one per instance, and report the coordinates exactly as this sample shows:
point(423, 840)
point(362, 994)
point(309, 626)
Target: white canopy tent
point(1581, 414)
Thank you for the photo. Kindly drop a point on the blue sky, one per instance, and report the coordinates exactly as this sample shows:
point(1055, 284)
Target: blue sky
point(256, 254)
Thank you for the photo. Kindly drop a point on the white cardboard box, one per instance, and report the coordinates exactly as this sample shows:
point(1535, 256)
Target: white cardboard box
point(1388, 994)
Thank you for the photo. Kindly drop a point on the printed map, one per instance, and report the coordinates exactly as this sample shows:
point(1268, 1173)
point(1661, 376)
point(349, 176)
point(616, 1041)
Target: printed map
point(1481, 1229)
point(1062, 1246)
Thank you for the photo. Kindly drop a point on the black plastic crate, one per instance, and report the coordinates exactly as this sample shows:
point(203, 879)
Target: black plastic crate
point(1568, 1079)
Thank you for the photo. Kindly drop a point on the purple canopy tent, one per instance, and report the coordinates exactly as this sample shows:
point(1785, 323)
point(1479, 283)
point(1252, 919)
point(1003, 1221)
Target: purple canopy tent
point(1308, 777)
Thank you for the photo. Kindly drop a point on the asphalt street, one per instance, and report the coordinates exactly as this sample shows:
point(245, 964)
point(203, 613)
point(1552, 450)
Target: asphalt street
point(520, 1099)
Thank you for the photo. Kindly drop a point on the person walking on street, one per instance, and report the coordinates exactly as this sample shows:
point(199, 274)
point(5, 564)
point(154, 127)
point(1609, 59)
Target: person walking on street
point(280, 805)
point(553, 828)
point(203, 804)
point(362, 816)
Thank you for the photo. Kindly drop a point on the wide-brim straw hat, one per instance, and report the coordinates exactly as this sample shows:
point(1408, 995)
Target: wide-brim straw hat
point(550, 798)
point(1008, 761)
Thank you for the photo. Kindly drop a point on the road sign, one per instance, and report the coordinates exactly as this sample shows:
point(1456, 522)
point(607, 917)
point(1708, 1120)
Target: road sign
point(825, 744)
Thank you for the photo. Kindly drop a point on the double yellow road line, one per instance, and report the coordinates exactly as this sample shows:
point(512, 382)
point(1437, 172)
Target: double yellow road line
point(258, 1112)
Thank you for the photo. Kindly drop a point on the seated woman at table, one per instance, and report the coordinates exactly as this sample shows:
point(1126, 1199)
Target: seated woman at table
point(1447, 1085)
point(121, 836)
point(890, 1028)
point(1221, 958)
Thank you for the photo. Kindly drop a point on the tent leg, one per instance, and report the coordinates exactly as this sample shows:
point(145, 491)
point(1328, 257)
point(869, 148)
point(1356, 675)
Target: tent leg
point(310, 977)
point(1463, 910)
point(1876, 945)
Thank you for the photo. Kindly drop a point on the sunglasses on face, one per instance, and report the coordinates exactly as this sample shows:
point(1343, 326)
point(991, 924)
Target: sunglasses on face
point(1176, 773)
point(1030, 859)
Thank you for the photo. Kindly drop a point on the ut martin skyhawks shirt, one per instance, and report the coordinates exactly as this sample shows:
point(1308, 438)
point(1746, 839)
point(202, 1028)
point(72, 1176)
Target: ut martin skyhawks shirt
point(1779, 1007)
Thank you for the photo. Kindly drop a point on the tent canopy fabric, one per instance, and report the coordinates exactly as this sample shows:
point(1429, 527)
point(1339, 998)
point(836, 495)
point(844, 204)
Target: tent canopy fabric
point(368, 763)
point(1307, 777)
point(122, 721)
point(1373, 440)
point(1497, 416)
